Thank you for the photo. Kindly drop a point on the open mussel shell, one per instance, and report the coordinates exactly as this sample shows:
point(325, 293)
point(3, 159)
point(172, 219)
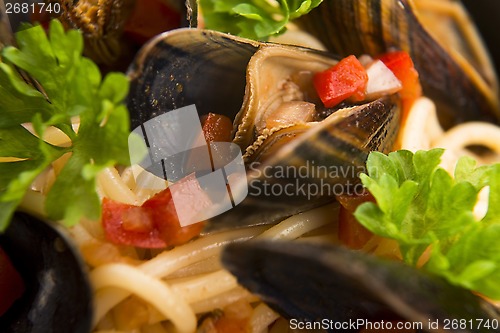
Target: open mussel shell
point(321, 163)
point(185, 67)
point(312, 282)
point(465, 88)
point(228, 75)
point(57, 298)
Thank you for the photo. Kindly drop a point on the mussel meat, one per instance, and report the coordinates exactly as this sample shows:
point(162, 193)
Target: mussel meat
point(254, 83)
point(312, 282)
point(458, 76)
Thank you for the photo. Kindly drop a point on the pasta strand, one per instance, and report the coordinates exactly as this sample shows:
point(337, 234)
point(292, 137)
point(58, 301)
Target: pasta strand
point(154, 291)
point(170, 261)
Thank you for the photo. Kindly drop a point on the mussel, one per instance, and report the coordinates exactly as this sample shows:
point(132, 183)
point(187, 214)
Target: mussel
point(104, 23)
point(101, 22)
point(313, 282)
point(458, 76)
point(249, 82)
point(58, 296)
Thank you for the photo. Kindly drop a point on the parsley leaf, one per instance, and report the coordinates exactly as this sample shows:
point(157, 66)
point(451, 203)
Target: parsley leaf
point(74, 87)
point(255, 19)
point(420, 206)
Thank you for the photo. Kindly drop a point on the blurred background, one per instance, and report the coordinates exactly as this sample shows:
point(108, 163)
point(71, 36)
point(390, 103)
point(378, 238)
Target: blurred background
point(486, 15)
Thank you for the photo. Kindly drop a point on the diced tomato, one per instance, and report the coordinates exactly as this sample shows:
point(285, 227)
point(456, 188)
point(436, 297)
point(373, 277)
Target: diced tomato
point(150, 18)
point(351, 233)
point(217, 127)
point(400, 63)
point(346, 79)
point(113, 216)
point(190, 199)
point(11, 283)
point(155, 224)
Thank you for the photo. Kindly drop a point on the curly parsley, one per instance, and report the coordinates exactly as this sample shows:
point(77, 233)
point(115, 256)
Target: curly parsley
point(420, 205)
point(255, 19)
point(74, 87)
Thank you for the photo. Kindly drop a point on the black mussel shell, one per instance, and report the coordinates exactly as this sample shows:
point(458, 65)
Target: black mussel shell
point(311, 282)
point(58, 296)
point(175, 70)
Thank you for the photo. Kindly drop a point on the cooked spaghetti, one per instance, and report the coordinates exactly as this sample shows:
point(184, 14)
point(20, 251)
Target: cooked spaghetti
point(153, 291)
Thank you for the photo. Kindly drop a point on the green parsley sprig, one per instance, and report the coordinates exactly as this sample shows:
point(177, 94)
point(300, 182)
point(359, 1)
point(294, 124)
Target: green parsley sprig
point(255, 19)
point(420, 205)
point(74, 87)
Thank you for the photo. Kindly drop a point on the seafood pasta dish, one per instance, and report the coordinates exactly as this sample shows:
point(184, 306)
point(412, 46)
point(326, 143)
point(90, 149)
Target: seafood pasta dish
point(248, 166)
